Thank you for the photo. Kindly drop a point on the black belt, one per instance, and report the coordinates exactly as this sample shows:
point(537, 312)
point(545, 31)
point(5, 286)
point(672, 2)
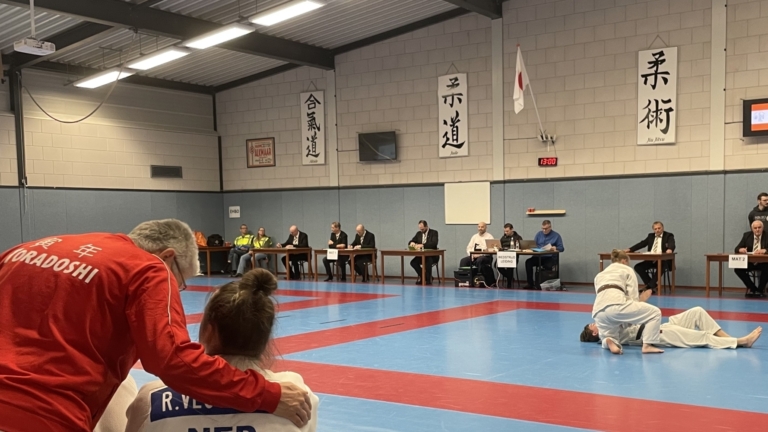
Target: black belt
point(610, 286)
point(640, 332)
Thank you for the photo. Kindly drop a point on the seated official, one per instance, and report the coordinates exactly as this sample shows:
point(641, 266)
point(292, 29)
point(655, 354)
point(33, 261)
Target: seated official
point(547, 236)
point(753, 242)
point(424, 239)
point(240, 247)
point(482, 262)
point(760, 212)
point(363, 240)
point(261, 241)
point(296, 239)
point(509, 241)
point(657, 242)
point(338, 241)
point(237, 326)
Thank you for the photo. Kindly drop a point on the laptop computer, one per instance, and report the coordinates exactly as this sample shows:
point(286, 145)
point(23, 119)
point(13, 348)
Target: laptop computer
point(493, 244)
point(527, 244)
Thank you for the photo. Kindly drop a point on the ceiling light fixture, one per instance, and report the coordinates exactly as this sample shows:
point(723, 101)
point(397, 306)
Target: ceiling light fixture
point(285, 12)
point(158, 57)
point(221, 35)
point(105, 77)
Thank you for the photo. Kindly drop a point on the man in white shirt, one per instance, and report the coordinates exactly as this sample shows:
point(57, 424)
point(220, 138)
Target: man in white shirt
point(619, 303)
point(690, 329)
point(481, 261)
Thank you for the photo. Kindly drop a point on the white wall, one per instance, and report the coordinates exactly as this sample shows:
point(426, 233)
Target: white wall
point(8, 176)
point(269, 109)
point(136, 128)
point(746, 78)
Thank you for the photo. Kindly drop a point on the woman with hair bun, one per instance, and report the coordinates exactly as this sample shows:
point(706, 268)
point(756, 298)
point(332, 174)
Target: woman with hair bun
point(237, 326)
point(619, 303)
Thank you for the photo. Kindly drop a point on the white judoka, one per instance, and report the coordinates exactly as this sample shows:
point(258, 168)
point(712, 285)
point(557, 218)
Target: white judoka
point(619, 303)
point(691, 329)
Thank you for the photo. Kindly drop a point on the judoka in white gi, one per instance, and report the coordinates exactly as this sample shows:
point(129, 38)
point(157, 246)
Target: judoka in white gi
point(619, 303)
point(691, 329)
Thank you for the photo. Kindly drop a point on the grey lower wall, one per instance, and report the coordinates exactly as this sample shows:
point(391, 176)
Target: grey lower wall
point(707, 214)
point(58, 211)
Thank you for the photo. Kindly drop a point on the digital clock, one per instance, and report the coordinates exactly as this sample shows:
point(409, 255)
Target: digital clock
point(547, 161)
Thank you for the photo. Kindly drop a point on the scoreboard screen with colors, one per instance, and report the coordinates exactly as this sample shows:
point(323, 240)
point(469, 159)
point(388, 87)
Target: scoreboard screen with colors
point(755, 117)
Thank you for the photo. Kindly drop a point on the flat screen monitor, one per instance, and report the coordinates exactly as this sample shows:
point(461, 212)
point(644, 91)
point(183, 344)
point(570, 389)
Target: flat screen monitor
point(755, 117)
point(377, 146)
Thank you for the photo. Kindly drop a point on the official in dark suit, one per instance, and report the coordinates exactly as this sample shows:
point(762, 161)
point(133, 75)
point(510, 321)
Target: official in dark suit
point(296, 239)
point(753, 242)
point(338, 241)
point(424, 239)
point(659, 241)
point(364, 239)
point(510, 240)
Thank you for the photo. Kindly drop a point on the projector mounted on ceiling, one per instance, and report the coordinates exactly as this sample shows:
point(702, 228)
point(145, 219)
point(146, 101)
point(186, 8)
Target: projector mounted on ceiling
point(31, 45)
point(34, 47)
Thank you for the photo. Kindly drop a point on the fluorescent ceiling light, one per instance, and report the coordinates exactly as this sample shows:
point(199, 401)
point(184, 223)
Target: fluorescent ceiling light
point(158, 57)
point(106, 77)
point(285, 12)
point(221, 35)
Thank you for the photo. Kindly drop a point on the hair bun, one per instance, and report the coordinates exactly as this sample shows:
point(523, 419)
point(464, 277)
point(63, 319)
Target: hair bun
point(259, 281)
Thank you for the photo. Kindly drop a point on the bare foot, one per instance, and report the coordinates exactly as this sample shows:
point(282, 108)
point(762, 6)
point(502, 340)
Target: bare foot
point(750, 339)
point(650, 349)
point(615, 349)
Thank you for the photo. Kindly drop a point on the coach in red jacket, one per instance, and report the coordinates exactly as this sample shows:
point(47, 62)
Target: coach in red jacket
point(78, 311)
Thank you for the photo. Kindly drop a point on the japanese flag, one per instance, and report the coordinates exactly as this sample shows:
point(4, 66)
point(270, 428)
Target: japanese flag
point(521, 82)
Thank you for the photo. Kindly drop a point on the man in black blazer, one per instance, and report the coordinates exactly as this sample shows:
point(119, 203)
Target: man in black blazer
point(364, 239)
point(338, 241)
point(659, 241)
point(425, 238)
point(296, 239)
point(753, 242)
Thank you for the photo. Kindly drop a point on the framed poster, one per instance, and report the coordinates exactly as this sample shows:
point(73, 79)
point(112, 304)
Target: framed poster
point(260, 152)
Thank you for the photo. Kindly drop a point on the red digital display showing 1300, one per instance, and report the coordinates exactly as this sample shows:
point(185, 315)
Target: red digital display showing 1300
point(547, 161)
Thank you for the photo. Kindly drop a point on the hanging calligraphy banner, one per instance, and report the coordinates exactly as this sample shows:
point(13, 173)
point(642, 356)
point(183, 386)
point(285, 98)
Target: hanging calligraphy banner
point(453, 115)
point(313, 128)
point(657, 96)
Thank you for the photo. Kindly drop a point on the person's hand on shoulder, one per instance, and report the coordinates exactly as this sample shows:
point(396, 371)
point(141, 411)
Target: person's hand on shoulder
point(294, 404)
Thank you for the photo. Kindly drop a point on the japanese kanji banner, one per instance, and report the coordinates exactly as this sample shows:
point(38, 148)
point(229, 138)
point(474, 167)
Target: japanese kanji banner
point(657, 96)
point(313, 128)
point(453, 115)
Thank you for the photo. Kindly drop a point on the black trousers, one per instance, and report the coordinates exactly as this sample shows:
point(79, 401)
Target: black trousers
point(416, 264)
point(342, 261)
point(530, 263)
point(361, 261)
point(643, 269)
point(484, 263)
point(508, 273)
point(295, 271)
point(743, 274)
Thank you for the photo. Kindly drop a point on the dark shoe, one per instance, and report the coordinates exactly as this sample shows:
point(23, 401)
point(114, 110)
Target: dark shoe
point(329, 279)
point(752, 294)
point(418, 281)
point(239, 275)
point(528, 287)
point(343, 279)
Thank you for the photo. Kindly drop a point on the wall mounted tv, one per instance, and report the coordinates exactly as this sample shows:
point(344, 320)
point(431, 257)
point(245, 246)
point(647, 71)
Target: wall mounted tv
point(377, 146)
point(755, 117)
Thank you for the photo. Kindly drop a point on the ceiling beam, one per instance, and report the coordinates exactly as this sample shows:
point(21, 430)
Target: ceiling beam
point(418, 25)
point(255, 77)
point(118, 13)
point(445, 16)
point(65, 41)
point(489, 8)
point(82, 71)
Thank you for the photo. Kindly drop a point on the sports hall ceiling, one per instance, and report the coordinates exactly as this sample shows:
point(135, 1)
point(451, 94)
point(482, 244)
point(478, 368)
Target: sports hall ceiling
point(92, 35)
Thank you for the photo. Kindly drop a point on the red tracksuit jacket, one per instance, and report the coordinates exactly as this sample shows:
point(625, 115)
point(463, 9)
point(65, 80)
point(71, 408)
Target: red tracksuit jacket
point(77, 312)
